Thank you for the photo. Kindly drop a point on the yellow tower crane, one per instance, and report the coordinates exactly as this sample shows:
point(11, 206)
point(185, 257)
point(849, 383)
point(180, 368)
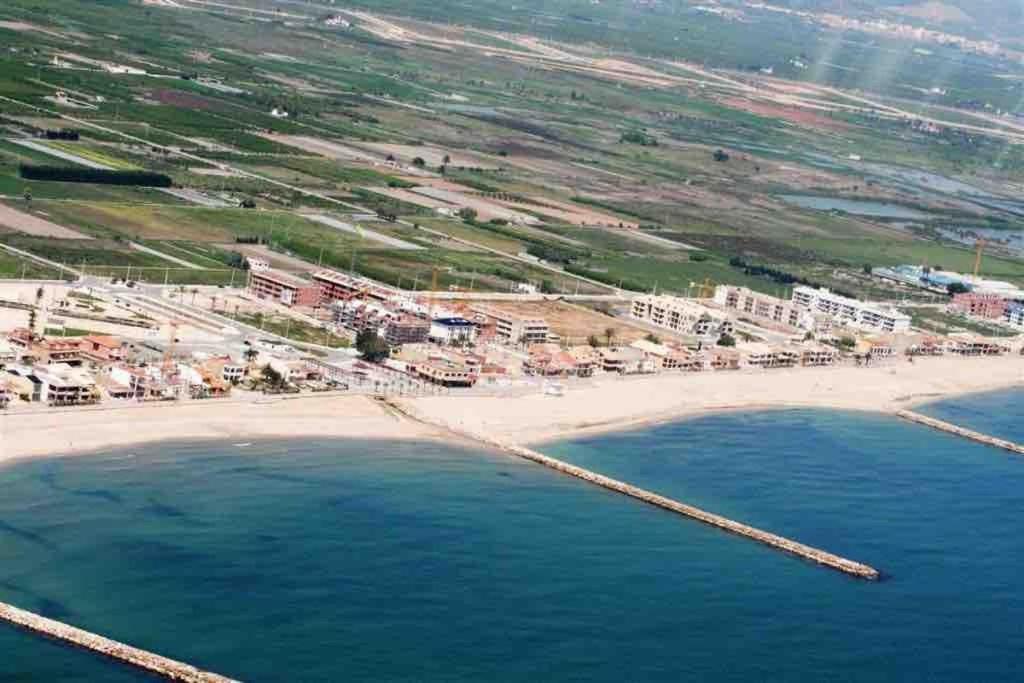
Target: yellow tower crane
point(979, 247)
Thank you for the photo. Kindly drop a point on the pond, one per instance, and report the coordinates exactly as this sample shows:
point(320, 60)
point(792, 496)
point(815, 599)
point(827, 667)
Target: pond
point(860, 207)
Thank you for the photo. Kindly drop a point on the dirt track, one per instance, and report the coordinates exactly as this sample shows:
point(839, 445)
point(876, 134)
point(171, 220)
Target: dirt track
point(33, 225)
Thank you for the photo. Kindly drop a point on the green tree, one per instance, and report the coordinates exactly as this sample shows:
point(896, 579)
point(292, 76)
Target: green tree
point(954, 288)
point(593, 341)
point(372, 347)
point(653, 338)
point(726, 340)
point(272, 377)
point(419, 162)
point(468, 214)
point(867, 269)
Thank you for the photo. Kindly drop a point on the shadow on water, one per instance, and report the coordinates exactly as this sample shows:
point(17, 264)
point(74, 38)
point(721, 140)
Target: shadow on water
point(26, 535)
point(49, 477)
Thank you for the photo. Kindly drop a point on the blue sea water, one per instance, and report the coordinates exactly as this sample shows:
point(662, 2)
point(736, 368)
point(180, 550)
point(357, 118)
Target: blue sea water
point(404, 561)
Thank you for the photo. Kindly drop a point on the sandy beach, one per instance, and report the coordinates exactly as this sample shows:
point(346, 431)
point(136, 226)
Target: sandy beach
point(605, 404)
point(67, 431)
point(610, 404)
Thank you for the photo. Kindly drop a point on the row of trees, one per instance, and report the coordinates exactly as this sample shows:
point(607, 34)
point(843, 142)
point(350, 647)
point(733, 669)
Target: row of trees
point(68, 174)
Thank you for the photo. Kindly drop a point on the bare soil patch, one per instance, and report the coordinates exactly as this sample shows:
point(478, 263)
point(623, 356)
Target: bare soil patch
point(38, 227)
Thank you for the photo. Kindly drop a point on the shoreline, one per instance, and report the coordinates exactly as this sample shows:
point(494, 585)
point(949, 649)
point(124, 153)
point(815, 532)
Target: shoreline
point(600, 406)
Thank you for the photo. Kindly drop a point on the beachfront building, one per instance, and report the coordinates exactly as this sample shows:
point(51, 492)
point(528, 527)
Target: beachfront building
point(283, 288)
point(8, 354)
point(626, 361)
point(446, 370)
point(680, 315)
point(452, 331)
point(763, 308)
point(851, 312)
point(979, 305)
point(720, 358)
point(766, 356)
point(875, 348)
point(515, 329)
point(817, 355)
point(1014, 313)
point(64, 385)
point(967, 344)
point(550, 360)
point(667, 358)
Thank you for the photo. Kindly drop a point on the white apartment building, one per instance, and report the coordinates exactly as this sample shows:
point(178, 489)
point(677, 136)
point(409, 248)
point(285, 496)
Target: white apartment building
point(763, 307)
point(681, 315)
point(1014, 314)
point(868, 316)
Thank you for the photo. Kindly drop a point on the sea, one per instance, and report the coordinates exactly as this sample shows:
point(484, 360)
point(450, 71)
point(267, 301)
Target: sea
point(352, 560)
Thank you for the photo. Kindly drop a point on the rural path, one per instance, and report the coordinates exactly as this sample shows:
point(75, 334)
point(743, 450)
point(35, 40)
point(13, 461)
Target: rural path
point(159, 254)
point(304, 191)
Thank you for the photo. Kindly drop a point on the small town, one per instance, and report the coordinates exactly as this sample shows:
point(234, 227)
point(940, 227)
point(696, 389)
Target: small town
point(90, 342)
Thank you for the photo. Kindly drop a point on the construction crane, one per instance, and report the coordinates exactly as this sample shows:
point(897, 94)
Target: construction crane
point(979, 247)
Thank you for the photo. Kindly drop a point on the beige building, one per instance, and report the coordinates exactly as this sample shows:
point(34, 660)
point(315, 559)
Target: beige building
point(763, 308)
point(515, 329)
point(683, 316)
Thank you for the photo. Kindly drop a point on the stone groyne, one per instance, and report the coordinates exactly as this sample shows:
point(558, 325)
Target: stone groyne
point(951, 428)
point(161, 666)
point(806, 552)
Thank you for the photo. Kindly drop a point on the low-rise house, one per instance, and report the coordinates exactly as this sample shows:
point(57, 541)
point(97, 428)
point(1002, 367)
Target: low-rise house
point(146, 383)
point(875, 348)
point(21, 339)
point(58, 350)
point(20, 381)
point(8, 354)
point(112, 389)
point(225, 368)
point(64, 385)
point(102, 348)
point(967, 344)
point(550, 360)
point(625, 361)
point(446, 372)
point(720, 358)
point(926, 345)
point(767, 356)
point(817, 355)
point(669, 358)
